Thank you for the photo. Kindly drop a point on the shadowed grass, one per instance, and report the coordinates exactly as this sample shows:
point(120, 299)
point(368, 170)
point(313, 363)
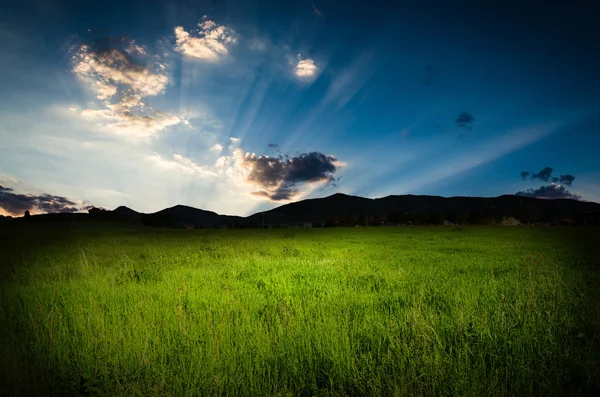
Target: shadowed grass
point(377, 311)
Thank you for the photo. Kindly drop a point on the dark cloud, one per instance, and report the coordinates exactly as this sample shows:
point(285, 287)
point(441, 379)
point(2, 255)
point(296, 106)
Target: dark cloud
point(552, 191)
point(555, 189)
point(544, 175)
point(17, 204)
point(465, 120)
point(566, 179)
point(273, 145)
point(279, 177)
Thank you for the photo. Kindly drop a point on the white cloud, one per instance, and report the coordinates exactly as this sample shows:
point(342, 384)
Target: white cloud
point(217, 148)
point(306, 69)
point(122, 84)
point(181, 164)
point(134, 48)
point(211, 43)
point(235, 142)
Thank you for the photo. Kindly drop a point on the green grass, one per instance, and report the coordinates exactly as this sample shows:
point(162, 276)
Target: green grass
point(470, 311)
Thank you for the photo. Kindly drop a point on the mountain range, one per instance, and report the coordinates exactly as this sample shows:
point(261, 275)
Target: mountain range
point(342, 209)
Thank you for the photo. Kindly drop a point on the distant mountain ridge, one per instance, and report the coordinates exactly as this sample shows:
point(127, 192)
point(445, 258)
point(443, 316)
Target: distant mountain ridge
point(346, 209)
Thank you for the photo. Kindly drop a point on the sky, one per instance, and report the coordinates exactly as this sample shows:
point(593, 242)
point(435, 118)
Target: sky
point(241, 106)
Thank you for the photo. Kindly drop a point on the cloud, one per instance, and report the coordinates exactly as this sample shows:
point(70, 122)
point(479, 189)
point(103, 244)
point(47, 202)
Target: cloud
point(543, 175)
point(316, 10)
point(211, 43)
point(18, 203)
point(305, 69)
point(217, 148)
point(552, 191)
point(121, 84)
point(566, 179)
point(273, 145)
point(556, 187)
point(181, 164)
point(235, 142)
point(546, 175)
point(465, 120)
point(278, 178)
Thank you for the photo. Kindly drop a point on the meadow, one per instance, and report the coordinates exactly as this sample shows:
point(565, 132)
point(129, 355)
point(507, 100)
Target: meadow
point(387, 311)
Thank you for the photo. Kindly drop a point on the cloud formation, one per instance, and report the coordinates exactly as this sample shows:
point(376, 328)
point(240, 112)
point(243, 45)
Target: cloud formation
point(121, 84)
point(17, 203)
point(305, 69)
point(555, 189)
point(465, 120)
point(279, 178)
point(552, 191)
point(211, 43)
point(545, 174)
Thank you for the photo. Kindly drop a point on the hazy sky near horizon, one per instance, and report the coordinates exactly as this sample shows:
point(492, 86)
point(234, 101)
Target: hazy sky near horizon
point(241, 106)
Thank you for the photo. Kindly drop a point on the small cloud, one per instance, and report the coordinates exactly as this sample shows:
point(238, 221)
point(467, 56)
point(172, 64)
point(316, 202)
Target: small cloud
point(316, 10)
point(305, 69)
point(465, 120)
point(17, 203)
point(273, 145)
point(525, 174)
point(566, 179)
point(235, 142)
point(544, 175)
point(211, 44)
point(217, 148)
point(133, 48)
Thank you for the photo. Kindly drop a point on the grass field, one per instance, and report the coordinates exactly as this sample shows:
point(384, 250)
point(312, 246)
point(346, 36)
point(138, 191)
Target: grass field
point(471, 311)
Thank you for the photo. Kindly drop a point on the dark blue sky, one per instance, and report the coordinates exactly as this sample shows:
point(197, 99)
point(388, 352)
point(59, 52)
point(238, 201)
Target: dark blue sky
point(240, 106)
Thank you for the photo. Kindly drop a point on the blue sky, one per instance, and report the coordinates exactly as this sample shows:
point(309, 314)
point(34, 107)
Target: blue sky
point(242, 106)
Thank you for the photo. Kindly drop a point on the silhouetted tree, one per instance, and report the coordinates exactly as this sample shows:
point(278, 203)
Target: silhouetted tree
point(27, 214)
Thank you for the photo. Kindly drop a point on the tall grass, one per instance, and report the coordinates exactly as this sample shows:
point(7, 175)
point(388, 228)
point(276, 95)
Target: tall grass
point(377, 311)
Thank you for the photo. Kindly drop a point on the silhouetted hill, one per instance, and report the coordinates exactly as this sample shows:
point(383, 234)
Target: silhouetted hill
point(126, 211)
point(345, 209)
point(182, 216)
point(340, 206)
